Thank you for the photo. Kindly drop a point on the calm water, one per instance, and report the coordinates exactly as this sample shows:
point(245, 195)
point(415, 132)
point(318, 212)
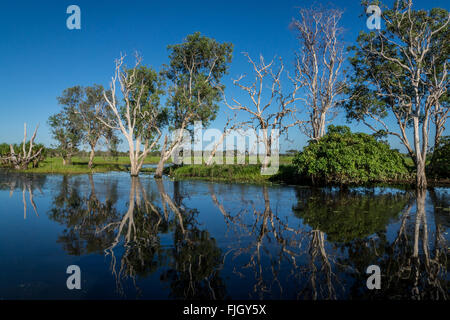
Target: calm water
point(145, 239)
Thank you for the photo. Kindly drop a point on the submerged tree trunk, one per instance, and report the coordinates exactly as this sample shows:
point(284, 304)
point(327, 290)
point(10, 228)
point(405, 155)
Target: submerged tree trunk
point(159, 169)
point(420, 154)
point(134, 169)
point(167, 151)
point(421, 178)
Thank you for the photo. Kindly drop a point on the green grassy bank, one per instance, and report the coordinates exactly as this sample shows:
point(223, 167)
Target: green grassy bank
point(234, 173)
point(79, 165)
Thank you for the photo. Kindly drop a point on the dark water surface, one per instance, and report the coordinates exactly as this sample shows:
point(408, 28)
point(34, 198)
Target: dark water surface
point(145, 239)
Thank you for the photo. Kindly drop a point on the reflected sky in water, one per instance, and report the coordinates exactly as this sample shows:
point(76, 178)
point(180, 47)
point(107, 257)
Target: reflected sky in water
point(140, 238)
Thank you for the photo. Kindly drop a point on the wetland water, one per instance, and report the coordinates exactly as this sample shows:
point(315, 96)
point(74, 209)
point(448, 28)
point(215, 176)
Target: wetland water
point(138, 238)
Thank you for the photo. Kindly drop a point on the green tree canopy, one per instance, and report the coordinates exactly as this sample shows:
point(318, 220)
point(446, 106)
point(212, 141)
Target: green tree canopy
point(343, 157)
point(194, 72)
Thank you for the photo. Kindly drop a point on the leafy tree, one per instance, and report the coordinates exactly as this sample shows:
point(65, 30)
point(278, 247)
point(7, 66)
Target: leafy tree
point(402, 70)
point(64, 125)
point(440, 161)
point(343, 157)
point(139, 117)
point(83, 106)
point(194, 73)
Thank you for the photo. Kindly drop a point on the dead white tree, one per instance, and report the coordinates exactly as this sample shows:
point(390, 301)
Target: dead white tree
point(438, 83)
point(440, 116)
point(229, 126)
point(21, 160)
point(319, 64)
point(269, 105)
point(134, 121)
point(170, 145)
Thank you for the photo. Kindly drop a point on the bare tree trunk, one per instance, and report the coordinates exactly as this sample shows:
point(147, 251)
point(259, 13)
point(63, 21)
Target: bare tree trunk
point(67, 160)
point(133, 114)
point(21, 160)
point(167, 151)
point(91, 157)
point(322, 124)
point(210, 159)
point(421, 179)
point(319, 62)
point(159, 169)
point(267, 156)
point(134, 170)
point(162, 160)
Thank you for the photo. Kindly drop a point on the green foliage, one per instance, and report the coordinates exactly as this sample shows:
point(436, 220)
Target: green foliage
point(346, 216)
point(144, 97)
point(64, 127)
point(343, 157)
point(396, 69)
point(228, 173)
point(79, 121)
point(440, 160)
point(80, 165)
point(194, 72)
point(4, 149)
point(249, 173)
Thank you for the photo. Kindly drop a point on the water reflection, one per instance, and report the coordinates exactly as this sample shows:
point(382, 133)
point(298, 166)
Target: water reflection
point(415, 260)
point(197, 240)
point(27, 183)
point(81, 216)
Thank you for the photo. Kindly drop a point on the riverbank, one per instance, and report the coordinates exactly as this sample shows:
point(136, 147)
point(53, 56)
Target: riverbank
point(287, 174)
point(79, 165)
point(247, 173)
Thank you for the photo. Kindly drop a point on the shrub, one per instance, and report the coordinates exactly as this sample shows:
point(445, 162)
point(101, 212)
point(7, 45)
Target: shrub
point(342, 157)
point(440, 160)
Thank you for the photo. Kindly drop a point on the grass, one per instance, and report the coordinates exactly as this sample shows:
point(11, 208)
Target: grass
point(80, 165)
point(247, 173)
point(243, 173)
point(228, 173)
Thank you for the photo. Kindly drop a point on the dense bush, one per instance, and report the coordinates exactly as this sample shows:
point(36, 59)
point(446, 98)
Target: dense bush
point(343, 157)
point(440, 160)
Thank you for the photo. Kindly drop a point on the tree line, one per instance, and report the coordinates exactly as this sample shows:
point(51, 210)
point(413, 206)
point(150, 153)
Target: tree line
point(398, 72)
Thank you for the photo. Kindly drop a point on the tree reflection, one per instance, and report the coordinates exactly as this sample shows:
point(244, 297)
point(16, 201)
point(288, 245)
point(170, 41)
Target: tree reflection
point(319, 250)
point(348, 215)
point(132, 239)
point(348, 232)
point(28, 183)
point(82, 214)
point(194, 271)
point(414, 265)
point(266, 237)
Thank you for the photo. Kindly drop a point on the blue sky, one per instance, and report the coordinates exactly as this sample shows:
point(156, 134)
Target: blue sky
point(40, 57)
